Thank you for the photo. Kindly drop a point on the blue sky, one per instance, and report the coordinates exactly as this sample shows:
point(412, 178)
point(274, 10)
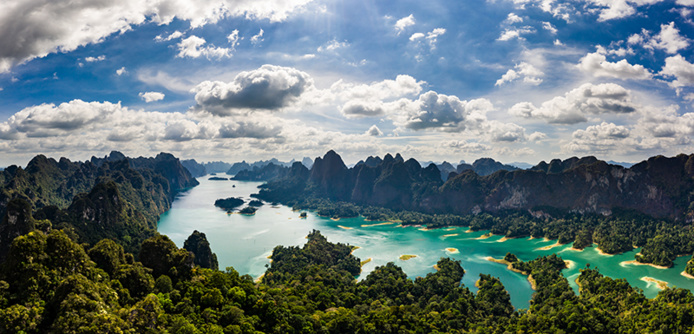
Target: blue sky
point(515, 80)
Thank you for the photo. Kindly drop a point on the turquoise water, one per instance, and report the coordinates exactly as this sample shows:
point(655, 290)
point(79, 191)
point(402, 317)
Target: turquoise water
point(245, 242)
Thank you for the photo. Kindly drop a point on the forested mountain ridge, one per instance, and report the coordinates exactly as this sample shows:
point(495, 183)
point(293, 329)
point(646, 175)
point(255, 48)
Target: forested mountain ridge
point(111, 197)
point(659, 187)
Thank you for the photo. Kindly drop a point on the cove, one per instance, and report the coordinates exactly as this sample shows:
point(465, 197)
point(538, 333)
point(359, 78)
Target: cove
point(245, 242)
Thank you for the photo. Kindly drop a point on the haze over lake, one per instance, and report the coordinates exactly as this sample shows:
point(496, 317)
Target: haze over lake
point(245, 242)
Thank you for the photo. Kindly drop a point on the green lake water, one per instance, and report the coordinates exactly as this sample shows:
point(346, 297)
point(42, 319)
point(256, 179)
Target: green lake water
point(245, 242)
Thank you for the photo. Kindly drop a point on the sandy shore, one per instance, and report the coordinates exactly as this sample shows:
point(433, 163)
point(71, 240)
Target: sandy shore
point(503, 239)
point(334, 219)
point(601, 252)
point(469, 231)
point(257, 280)
point(452, 250)
point(406, 257)
point(637, 263)
point(366, 261)
point(576, 249)
point(344, 227)
point(509, 265)
point(378, 224)
point(569, 264)
point(449, 235)
point(424, 229)
point(662, 285)
point(449, 229)
point(484, 236)
point(684, 273)
point(354, 248)
point(557, 244)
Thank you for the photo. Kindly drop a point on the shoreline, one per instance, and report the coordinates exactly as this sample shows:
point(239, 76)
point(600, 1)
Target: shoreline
point(484, 236)
point(345, 227)
point(366, 261)
point(662, 285)
point(406, 257)
point(378, 224)
point(601, 252)
point(637, 263)
point(509, 266)
point(452, 250)
point(684, 273)
point(449, 235)
point(557, 244)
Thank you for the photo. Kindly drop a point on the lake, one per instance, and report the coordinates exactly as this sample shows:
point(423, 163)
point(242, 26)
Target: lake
point(245, 242)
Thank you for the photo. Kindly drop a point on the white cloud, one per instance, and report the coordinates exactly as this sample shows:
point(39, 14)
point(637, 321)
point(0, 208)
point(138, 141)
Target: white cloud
point(403, 23)
point(31, 29)
point(680, 69)
point(549, 27)
point(374, 131)
point(617, 9)
point(416, 36)
point(95, 59)
point(577, 104)
point(121, 71)
point(258, 38)
point(439, 112)
point(268, 87)
point(597, 64)
point(174, 35)
point(152, 96)
point(668, 39)
point(193, 47)
point(513, 18)
point(515, 33)
point(234, 39)
point(528, 72)
point(332, 46)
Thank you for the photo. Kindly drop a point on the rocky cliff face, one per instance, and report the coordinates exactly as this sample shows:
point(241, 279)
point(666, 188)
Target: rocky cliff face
point(660, 186)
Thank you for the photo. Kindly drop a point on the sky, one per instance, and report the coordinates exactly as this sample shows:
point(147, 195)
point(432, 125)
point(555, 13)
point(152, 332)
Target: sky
point(232, 80)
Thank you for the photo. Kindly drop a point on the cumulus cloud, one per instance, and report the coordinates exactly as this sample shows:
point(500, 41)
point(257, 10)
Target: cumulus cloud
point(152, 96)
point(465, 146)
point(101, 121)
point(668, 39)
point(549, 27)
point(431, 37)
point(95, 59)
point(597, 64)
point(680, 69)
point(403, 23)
point(121, 71)
point(576, 105)
point(513, 18)
point(268, 87)
point(528, 72)
point(174, 35)
point(439, 112)
point(374, 131)
point(31, 29)
point(617, 9)
point(194, 47)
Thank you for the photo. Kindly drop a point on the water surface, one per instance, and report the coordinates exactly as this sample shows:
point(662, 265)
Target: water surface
point(245, 242)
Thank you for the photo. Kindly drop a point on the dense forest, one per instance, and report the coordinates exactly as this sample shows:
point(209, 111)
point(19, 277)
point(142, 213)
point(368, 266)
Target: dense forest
point(80, 254)
point(51, 284)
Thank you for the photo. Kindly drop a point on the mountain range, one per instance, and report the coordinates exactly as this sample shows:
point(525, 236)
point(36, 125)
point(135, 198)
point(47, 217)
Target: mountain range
point(660, 186)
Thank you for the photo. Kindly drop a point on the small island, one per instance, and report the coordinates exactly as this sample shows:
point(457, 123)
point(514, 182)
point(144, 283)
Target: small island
point(256, 203)
point(228, 204)
point(303, 215)
point(249, 210)
point(407, 257)
point(217, 178)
